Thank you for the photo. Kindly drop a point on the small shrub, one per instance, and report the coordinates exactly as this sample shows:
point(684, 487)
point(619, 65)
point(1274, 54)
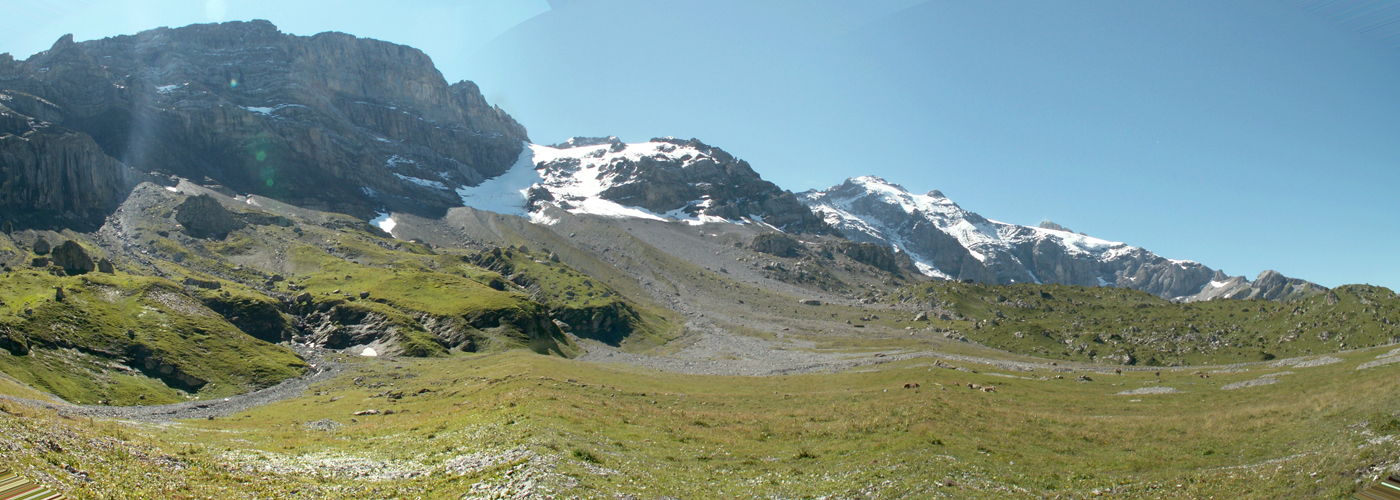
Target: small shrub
point(587, 456)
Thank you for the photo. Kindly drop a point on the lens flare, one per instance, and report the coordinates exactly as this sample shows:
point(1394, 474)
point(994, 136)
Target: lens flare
point(233, 83)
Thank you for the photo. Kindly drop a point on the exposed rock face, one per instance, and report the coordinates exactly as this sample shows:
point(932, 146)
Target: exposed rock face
point(330, 121)
point(946, 241)
point(674, 177)
point(51, 176)
point(72, 258)
point(877, 255)
point(1269, 285)
point(204, 217)
point(780, 245)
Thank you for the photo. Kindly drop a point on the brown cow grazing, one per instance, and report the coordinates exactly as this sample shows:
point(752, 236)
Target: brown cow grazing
point(989, 389)
point(973, 386)
point(1117, 371)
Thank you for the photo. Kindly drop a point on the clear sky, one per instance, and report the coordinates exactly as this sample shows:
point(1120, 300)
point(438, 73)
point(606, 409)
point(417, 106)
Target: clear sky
point(1247, 135)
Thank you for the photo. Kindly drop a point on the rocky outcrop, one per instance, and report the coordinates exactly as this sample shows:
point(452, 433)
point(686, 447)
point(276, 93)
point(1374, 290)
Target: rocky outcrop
point(73, 258)
point(949, 242)
point(777, 244)
point(329, 121)
point(204, 217)
point(50, 176)
point(1269, 285)
point(879, 256)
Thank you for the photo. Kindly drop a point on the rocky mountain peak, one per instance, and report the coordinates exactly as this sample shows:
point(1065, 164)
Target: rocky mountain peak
point(662, 179)
point(330, 121)
point(948, 242)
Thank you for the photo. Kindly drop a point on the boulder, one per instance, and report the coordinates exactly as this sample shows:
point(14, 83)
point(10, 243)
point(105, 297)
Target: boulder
point(73, 258)
point(105, 266)
point(204, 217)
point(41, 246)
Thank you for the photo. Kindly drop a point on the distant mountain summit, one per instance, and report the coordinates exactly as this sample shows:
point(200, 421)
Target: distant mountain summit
point(663, 179)
point(949, 242)
point(329, 121)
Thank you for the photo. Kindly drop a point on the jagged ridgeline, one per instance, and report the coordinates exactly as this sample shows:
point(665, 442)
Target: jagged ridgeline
point(330, 122)
point(1119, 326)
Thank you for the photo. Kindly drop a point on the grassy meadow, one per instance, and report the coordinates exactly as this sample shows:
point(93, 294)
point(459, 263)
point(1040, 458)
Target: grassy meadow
point(512, 422)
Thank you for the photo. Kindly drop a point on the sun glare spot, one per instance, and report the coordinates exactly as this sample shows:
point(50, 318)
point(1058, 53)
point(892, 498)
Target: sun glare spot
point(261, 155)
point(214, 10)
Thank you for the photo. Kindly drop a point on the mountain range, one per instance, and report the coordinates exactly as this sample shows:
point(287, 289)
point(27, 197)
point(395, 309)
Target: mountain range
point(329, 191)
point(363, 127)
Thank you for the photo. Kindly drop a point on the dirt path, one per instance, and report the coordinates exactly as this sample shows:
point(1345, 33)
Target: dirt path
point(322, 369)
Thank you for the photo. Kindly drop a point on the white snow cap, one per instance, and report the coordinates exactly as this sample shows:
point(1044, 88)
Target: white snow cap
point(579, 189)
point(982, 237)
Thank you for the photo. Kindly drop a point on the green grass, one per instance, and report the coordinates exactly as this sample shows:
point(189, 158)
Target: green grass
point(592, 308)
point(1104, 324)
point(621, 430)
point(150, 327)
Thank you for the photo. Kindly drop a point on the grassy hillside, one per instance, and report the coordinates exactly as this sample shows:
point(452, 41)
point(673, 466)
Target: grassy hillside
point(590, 308)
point(184, 317)
point(127, 340)
point(1114, 325)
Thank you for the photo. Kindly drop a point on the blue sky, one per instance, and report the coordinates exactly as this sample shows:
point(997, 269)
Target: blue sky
point(1247, 135)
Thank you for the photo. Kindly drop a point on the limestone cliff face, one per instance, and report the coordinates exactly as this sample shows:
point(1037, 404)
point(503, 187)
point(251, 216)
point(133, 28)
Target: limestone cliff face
point(330, 121)
point(51, 176)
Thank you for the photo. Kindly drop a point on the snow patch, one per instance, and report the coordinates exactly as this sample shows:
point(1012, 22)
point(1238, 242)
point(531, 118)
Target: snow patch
point(421, 182)
point(385, 222)
point(394, 161)
point(505, 193)
point(267, 111)
point(166, 89)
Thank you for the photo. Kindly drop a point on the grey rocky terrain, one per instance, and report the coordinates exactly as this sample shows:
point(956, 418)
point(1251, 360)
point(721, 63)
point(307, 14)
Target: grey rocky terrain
point(331, 122)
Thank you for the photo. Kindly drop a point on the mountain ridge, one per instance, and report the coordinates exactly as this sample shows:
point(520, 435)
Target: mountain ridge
point(949, 242)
